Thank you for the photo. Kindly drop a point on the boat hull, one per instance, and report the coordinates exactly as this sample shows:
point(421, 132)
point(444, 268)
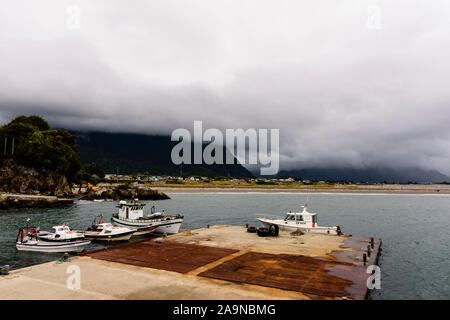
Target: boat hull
point(141, 228)
point(169, 228)
point(124, 236)
point(293, 227)
point(146, 227)
point(39, 246)
point(53, 240)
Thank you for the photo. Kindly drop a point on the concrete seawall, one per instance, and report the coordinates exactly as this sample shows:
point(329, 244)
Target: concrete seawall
point(17, 201)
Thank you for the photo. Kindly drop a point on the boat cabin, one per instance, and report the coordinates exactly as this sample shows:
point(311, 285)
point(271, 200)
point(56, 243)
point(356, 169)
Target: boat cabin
point(61, 229)
point(303, 217)
point(131, 210)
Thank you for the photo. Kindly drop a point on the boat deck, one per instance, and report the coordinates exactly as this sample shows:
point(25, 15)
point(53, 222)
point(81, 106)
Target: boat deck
point(220, 262)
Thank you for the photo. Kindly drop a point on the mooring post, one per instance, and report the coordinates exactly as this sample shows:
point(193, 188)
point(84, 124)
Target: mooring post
point(371, 242)
point(4, 271)
point(364, 258)
point(368, 251)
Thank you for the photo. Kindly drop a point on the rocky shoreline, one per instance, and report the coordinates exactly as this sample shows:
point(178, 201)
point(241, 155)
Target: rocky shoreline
point(115, 193)
point(17, 179)
point(23, 187)
point(21, 201)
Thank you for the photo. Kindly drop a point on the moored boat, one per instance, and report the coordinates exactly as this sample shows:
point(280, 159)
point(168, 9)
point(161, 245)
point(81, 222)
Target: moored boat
point(131, 215)
point(304, 221)
point(102, 231)
point(26, 242)
point(62, 234)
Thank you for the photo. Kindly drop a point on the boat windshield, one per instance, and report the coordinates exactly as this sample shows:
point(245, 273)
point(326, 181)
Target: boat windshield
point(293, 217)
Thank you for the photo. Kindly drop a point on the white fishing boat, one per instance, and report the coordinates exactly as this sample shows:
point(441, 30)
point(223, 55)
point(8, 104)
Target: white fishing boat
point(101, 231)
point(26, 242)
point(131, 215)
point(304, 221)
point(62, 233)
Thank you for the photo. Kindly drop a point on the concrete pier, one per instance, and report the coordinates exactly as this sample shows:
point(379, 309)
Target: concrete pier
point(219, 262)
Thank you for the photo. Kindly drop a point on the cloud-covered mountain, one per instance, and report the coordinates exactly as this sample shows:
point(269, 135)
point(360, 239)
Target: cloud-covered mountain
point(369, 175)
point(138, 153)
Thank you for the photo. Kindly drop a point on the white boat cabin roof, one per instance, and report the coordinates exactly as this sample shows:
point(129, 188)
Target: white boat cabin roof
point(293, 215)
point(61, 228)
point(303, 213)
point(134, 204)
point(105, 225)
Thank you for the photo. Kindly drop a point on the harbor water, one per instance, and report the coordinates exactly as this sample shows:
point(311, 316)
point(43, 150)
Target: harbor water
point(415, 229)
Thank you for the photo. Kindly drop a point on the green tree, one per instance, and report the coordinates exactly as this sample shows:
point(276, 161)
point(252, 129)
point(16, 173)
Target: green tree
point(39, 147)
point(35, 121)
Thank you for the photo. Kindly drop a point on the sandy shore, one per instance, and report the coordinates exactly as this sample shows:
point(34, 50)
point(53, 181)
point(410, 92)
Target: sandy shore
point(390, 189)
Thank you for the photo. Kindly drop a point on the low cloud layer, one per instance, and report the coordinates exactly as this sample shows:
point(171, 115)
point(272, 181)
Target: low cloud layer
point(347, 83)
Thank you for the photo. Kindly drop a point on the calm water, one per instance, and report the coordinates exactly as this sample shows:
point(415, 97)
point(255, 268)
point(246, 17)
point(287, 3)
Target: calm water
point(415, 229)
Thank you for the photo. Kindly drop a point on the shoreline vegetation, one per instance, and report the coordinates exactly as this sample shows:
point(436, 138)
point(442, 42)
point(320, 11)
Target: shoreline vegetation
point(37, 165)
point(123, 192)
point(233, 186)
point(177, 189)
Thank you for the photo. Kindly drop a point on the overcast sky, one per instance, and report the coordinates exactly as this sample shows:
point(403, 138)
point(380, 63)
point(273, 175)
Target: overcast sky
point(348, 83)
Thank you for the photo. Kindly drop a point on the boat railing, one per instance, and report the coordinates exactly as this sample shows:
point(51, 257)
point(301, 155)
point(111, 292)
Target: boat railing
point(268, 216)
point(150, 219)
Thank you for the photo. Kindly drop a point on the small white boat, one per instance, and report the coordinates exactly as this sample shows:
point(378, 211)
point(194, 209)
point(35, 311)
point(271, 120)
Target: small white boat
point(45, 246)
point(107, 232)
point(305, 221)
point(131, 215)
point(25, 242)
point(62, 234)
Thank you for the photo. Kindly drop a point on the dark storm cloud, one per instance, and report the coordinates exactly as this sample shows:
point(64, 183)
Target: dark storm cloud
point(343, 90)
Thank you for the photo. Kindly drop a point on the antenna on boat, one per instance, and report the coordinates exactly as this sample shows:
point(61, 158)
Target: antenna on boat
point(152, 209)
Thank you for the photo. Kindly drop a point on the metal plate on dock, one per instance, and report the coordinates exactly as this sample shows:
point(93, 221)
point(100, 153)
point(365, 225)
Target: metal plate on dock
point(170, 256)
point(313, 276)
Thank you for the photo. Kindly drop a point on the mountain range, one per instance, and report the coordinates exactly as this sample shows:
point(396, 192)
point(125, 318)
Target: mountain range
point(125, 153)
point(379, 174)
